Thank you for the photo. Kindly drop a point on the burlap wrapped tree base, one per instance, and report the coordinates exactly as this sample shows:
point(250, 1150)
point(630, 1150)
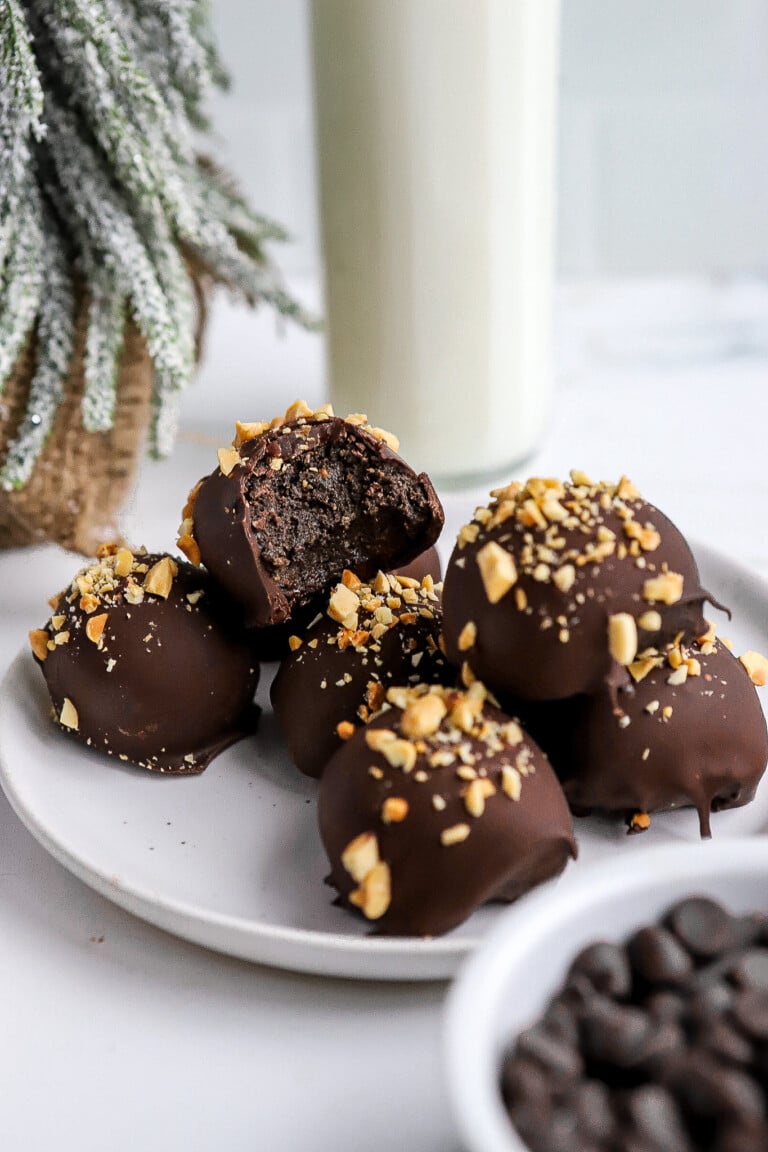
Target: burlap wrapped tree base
point(82, 478)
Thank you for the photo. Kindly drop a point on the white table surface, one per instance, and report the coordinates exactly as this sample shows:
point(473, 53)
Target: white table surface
point(116, 1036)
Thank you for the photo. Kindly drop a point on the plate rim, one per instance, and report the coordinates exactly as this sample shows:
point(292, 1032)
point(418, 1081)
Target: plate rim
point(310, 949)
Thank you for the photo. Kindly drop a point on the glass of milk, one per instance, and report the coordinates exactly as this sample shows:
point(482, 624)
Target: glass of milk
point(436, 143)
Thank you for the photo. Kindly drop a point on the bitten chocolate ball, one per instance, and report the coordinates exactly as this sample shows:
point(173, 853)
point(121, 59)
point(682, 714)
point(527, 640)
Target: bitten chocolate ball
point(143, 661)
point(371, 636)
point(295, 502)
point(689, 730)
point(438, 805)
point(553, 588)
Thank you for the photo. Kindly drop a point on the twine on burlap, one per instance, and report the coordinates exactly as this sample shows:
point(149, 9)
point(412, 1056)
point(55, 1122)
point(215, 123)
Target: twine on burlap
point(82, 478)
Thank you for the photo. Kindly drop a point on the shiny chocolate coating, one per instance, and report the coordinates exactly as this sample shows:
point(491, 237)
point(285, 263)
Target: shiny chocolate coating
point(539, 617)
point(450, 820)
point(427, 564)
point(164, 680)
point(701, 743)
point(338, 675)
point(302, 502)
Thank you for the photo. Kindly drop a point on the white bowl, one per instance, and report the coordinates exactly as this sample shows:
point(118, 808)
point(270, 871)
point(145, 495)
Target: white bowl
point(507, 984)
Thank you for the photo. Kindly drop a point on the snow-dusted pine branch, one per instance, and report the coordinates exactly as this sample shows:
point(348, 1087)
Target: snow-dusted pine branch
point(100, 187)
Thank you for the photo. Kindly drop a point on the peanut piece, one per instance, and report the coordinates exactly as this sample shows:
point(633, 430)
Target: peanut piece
point(622, 637)
point(497, 571)
point(361, 855)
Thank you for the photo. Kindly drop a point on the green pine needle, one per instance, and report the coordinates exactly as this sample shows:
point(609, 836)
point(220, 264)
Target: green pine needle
point(99, 104)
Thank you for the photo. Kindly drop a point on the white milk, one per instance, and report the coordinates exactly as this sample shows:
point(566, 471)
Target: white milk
point(436, 134)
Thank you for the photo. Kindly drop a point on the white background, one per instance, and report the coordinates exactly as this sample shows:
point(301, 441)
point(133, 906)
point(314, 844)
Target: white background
point(663, 152)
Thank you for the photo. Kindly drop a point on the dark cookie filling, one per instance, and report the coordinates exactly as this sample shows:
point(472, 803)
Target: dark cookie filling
point(332, 506)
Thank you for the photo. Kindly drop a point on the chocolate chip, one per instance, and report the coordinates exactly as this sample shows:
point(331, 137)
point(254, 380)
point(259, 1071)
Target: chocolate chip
point(560, 1021)
point(704, 927)
point(606, 966)
point(750, 1011)
point(665, 1006)
point(710, 1000)
point(654, 1114)
point(662, 1044)
point(643, 1051)
point(658, 957)
point(751, 971)
point(724, 1041)
point(524, 1080)
point(557, 1057)
point(739, 1137)
point(594, 1112)
point(709, 1091)
point(615, 1034)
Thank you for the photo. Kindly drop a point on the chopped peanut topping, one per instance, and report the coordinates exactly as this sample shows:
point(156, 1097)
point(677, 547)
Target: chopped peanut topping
point(709, 635)
point(360, 856)
point(564, 577)
point(756, 666)
point(344, 729)
point(376, 738)
point(666, 588)
point(622, 637)
point(639, 669)
point(454, 835)
point(650, 621)
point(394, 810)
point(299, 410)
point(423, 716)
point(468, 636)
point(640, 822)
point(511, 782)
point(94, 629)
point(159, 580)
point(497, 570)
point(68, 716)
point(400, 754)
point(38, 639)
point(374, 895)
point(477, 792)
point(189, 546)
point(229, 458)
point(246, 432)
point(343, 606)
point(123, 562)
point(294, 643)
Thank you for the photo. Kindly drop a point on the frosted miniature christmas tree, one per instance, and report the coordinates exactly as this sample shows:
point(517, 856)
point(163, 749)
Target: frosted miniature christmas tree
point(101, 110)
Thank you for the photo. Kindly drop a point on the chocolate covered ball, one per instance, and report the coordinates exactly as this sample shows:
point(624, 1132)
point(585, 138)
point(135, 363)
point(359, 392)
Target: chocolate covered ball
point(143, 661)
point(272, 643)
point(688, 731)
point(427, 564)
point(369, 637)
point(440, 804)
point(554, 587)
point(295, 502)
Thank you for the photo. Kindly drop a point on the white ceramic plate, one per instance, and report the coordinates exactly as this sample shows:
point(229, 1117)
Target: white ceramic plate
point(521, 965)
point(232, 859)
